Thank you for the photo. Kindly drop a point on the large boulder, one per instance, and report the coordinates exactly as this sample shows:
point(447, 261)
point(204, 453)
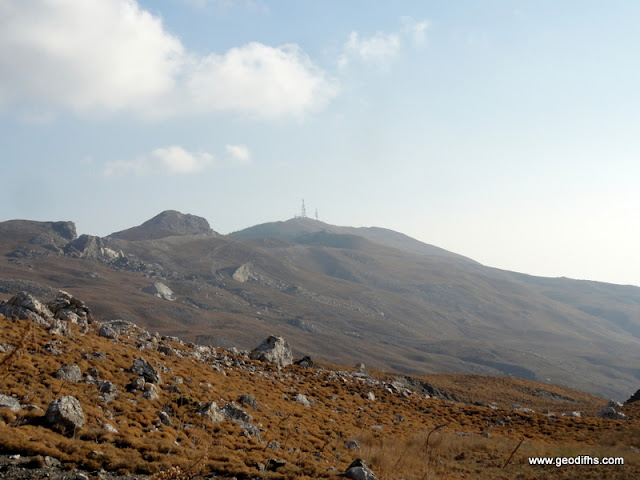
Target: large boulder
point(69, 373)
point(65, 415)
point(358, 470)
point(244, 273)
point(273, 350)
point(24, 306)
point(160, 290)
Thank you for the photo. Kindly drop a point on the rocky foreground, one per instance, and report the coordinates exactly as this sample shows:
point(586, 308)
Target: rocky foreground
point(83, 399)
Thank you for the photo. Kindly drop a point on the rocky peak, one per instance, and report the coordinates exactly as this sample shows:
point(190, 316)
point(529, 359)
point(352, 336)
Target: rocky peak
point(166, 224)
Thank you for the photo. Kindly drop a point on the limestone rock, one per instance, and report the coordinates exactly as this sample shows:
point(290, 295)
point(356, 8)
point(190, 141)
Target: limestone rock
point(303, 400)
point(107, 332)
point(248, 400)
point(273, 350)
point(244, 273)
point(211, 411)
point(59, 327)
point(65, 415)
point(24, 306)
point(146, 370)
point(358, 470)
point(9, 402)
point(160, 290)
point(69, 373)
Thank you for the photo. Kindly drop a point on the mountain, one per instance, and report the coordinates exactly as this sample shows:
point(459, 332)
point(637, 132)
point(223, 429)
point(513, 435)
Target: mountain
point(166, 224)
point(343, 295)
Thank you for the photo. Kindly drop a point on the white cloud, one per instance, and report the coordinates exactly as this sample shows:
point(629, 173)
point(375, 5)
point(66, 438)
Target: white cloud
point(239, 154)
point(258, 80)
point(380, 48)
point(172, 160)
point(111, 55)
point(377, 49)
point(416, 30)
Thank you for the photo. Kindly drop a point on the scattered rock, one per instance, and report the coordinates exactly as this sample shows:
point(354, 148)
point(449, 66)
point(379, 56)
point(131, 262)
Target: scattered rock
point(248, 400)
point(353, 445)
point(572, 414)
point(358, 470)
point(273, 445)
point(59, 327)
point(305, 362)
point(273, 350)
point(150, 391)
point(69, 373)
point(272, 464)
point(9, 402)
point(65, 415)
point(146, 370)
point(211, 411)
point(107, 332)
point(165, 419)
point(303, 400)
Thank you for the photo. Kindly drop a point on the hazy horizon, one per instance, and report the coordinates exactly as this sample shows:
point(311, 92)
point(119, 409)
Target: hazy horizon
point(502, 131)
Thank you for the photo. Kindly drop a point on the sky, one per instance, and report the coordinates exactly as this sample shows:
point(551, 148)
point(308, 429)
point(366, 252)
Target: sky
point(505, 131)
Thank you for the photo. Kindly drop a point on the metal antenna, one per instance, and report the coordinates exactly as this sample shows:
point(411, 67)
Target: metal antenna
point(303, 212)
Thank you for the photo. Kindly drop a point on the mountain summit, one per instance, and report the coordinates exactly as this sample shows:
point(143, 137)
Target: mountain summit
point(298, 229)
point(166, 224)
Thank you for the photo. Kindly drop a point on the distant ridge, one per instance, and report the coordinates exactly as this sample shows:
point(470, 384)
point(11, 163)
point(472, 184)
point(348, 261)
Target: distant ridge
point(297, 230)
point(166, 224)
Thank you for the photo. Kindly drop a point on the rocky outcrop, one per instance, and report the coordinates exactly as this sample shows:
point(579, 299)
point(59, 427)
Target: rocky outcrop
point(610, 411)
point(273, 350)
point(65, 415)
point(26, 307)
point(91, 247)
point(69, 308)
point(244, 273)
point(160, 290)
point(166, 224)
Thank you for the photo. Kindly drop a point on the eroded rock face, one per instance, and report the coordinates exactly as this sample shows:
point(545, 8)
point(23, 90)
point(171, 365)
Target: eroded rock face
point(65, 415)
point(273, 350)
point(24, 306)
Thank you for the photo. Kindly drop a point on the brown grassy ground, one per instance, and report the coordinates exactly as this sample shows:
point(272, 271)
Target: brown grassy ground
point(475, 441)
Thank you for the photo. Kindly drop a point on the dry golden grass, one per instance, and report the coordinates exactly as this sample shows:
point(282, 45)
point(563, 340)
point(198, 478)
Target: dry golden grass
point(475, 441)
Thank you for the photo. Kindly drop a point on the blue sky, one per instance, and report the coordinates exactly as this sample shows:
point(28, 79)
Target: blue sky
point(505, 131)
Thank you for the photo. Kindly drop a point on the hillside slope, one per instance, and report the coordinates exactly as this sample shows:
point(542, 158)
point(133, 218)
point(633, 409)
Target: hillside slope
point(343, 298)
point(149, 404)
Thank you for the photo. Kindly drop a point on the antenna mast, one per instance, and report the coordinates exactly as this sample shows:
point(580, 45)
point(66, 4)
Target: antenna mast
point(316, 214)
point(303, 211)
